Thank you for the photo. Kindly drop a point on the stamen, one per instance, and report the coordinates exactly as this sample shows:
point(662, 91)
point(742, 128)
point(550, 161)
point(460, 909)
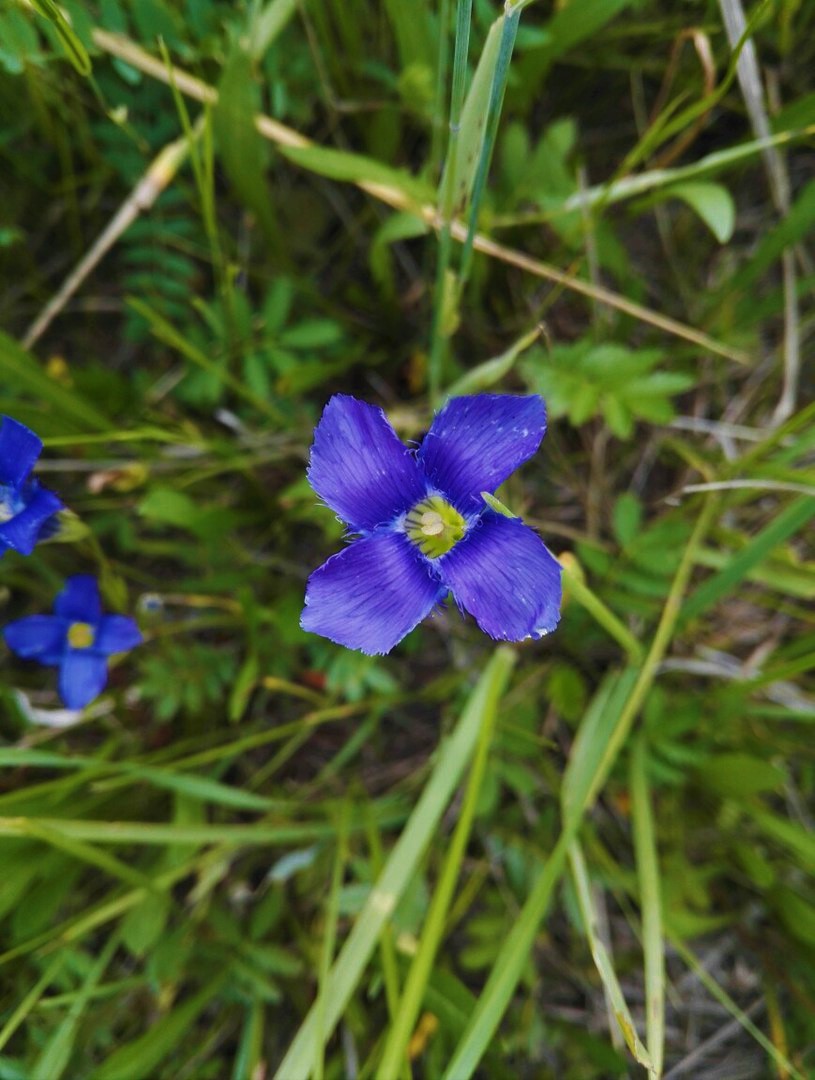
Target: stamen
point(434, 526)
point(432, 523)
point(81, 635)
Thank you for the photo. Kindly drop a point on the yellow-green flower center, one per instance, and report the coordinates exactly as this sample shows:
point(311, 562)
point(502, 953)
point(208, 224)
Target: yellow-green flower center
point(81, 635)
point(434, 526)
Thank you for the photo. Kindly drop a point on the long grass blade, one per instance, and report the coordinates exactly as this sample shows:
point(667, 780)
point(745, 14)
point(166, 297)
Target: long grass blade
point(452, 759)
point(650, 903)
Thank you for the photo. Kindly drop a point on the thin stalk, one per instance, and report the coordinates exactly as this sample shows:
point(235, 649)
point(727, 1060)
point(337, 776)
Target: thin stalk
point(441, 86)
point(394, 1054)
point(603, 615)
point(464, 10)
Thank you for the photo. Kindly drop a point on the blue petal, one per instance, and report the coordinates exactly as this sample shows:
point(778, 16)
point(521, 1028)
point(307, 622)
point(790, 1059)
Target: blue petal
point(23, 530)
point(359, 467)
point(370, 595)
point(79, 600)
point(82, 677)
point(19, 450)
point(503, 574)
point(476, 442)
point(115, 634)
point(38, 637)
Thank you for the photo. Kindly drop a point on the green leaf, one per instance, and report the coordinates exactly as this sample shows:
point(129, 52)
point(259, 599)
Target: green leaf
point(399, 869)
point(20, 371)
point(144, 924)
point(357, 169)
point(492, 371)
point(712, 202)
point(143, 1055)
point(473, 124)
point(739, 776)
point(786, 524)
point(268, 24)
point(74, 49)
point(244, 153)
point(497, 505)
point(626, 518)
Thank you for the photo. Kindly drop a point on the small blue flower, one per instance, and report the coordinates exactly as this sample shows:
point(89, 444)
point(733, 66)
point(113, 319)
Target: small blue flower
point(77, 638)
point(425, 528)
point(25, 506)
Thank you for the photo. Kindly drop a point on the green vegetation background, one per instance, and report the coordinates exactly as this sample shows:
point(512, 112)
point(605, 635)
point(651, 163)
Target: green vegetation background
point(259, 854)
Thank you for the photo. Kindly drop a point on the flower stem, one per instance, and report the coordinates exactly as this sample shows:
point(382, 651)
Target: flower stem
point(603, 615)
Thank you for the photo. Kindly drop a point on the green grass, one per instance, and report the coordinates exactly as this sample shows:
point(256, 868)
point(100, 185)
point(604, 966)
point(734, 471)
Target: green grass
point(259, 854)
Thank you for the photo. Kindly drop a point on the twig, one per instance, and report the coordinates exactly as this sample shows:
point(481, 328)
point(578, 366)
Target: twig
point(749, 78)
point(161, 171)
point(723, 1035)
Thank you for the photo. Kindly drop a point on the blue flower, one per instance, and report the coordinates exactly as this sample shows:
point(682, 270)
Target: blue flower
point(77, 638)
point(25, 506)
point(425, 529)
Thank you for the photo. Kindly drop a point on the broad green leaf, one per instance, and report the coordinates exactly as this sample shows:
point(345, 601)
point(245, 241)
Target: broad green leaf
point(357, 169)
point(413, 30)
point(399, 226)
point(244, 153)
point(492, 371)
point(739, 776)
point(712, 202)
point(268, 24)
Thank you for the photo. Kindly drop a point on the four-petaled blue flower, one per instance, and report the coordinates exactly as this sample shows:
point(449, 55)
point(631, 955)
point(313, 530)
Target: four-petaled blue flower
point(77, 638)
point(25, 506)
point(425, 529)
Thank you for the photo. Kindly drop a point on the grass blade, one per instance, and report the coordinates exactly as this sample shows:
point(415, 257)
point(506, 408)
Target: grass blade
point(590, 777)
point(651, 905)
point(602, 961)
point(420, 970)
point(781, 528)
point(400, 867)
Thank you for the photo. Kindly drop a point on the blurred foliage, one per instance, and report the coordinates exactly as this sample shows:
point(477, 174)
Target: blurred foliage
point(185, 868)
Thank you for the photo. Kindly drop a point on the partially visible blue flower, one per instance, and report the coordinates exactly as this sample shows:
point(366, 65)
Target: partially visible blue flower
point(77, 638)
point(425, 529)
point(25, 506)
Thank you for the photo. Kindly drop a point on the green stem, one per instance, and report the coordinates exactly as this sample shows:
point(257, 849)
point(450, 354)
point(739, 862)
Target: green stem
point(603, 615)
